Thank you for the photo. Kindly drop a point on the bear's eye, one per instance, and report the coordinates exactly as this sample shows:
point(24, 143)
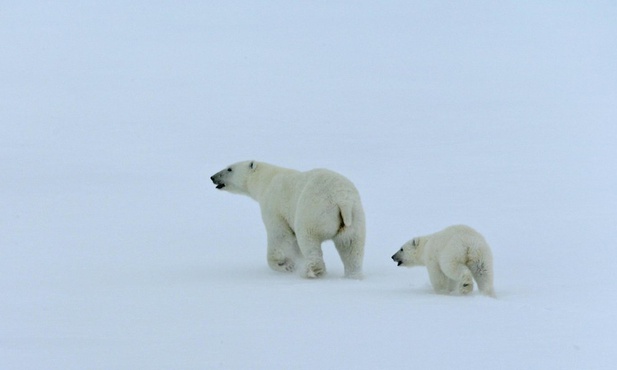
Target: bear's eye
point(229, 169)
point(401, 249)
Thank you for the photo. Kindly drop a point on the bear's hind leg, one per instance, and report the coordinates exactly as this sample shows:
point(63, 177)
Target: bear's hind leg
point(483, 274)
point(351, 251)
point(311, 251)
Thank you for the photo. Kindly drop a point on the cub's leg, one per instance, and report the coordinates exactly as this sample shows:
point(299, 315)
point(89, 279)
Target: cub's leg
point(438, 279)
point(483, 274)
point(461, 274)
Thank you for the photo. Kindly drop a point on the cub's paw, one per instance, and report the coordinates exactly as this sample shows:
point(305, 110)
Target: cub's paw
point(466, 285)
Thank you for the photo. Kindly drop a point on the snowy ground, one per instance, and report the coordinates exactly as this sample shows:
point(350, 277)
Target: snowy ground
point(116, 252)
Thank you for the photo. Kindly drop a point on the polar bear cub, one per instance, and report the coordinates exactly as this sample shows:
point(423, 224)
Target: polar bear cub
point(300, 210)
point(454, 257)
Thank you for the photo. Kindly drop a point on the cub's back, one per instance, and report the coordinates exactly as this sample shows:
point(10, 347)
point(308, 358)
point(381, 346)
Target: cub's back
point(470, 238)
point(456, 236)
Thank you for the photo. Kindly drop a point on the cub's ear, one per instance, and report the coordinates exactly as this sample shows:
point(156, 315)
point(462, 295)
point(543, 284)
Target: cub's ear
point(252, 165)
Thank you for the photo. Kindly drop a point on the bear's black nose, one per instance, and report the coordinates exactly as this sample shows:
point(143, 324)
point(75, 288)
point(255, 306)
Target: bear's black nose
point(212, 178)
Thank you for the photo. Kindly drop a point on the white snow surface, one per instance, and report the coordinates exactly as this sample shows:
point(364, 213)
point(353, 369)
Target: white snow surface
point(117, 252)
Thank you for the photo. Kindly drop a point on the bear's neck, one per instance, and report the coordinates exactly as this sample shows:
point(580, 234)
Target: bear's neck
point(261, 179)
point(420, 252)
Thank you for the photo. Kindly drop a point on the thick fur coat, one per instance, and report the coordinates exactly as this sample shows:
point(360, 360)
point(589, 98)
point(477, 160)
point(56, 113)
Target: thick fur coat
point(454, 257)
point(300, 210)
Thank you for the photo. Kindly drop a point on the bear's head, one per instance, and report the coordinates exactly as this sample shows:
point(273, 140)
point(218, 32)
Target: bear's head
point(408, 255)
point(234, 178)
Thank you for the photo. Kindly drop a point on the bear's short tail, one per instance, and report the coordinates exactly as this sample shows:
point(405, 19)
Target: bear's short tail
point(346, 212)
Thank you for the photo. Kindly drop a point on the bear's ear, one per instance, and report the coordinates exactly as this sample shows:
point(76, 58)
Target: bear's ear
point(252, 165)
point(415, 242)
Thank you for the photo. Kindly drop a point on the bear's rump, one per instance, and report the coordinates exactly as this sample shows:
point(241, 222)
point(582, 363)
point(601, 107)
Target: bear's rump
point(320, 220)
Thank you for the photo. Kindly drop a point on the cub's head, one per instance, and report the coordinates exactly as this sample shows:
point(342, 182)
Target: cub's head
point(408, 255)
point(234, 178)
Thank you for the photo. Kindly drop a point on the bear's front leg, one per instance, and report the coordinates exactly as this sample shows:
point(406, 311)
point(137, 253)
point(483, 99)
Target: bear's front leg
point(439, 281)
point(465, 284)
point(460, 274)
point(282, 248)
point(278, 262)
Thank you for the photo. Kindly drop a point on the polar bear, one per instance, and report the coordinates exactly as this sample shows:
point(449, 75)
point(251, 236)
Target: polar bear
point(452, 256)
point(300, 210)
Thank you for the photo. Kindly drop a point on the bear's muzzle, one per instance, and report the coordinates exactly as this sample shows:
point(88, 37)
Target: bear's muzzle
point(219, 184)
point(396, 259)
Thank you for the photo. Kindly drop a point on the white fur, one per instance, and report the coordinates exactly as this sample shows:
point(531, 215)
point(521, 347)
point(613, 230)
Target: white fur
point(301, 210)
point(454, 257)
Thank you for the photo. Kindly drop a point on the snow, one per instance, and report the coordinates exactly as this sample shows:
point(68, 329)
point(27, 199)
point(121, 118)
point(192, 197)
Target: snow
point(116, 251)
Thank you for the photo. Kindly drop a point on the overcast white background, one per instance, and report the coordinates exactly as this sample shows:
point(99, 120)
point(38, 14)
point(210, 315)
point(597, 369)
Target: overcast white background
point(116, 251)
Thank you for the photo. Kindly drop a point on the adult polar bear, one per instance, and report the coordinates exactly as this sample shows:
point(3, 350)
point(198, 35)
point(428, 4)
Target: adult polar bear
point(301, 210)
